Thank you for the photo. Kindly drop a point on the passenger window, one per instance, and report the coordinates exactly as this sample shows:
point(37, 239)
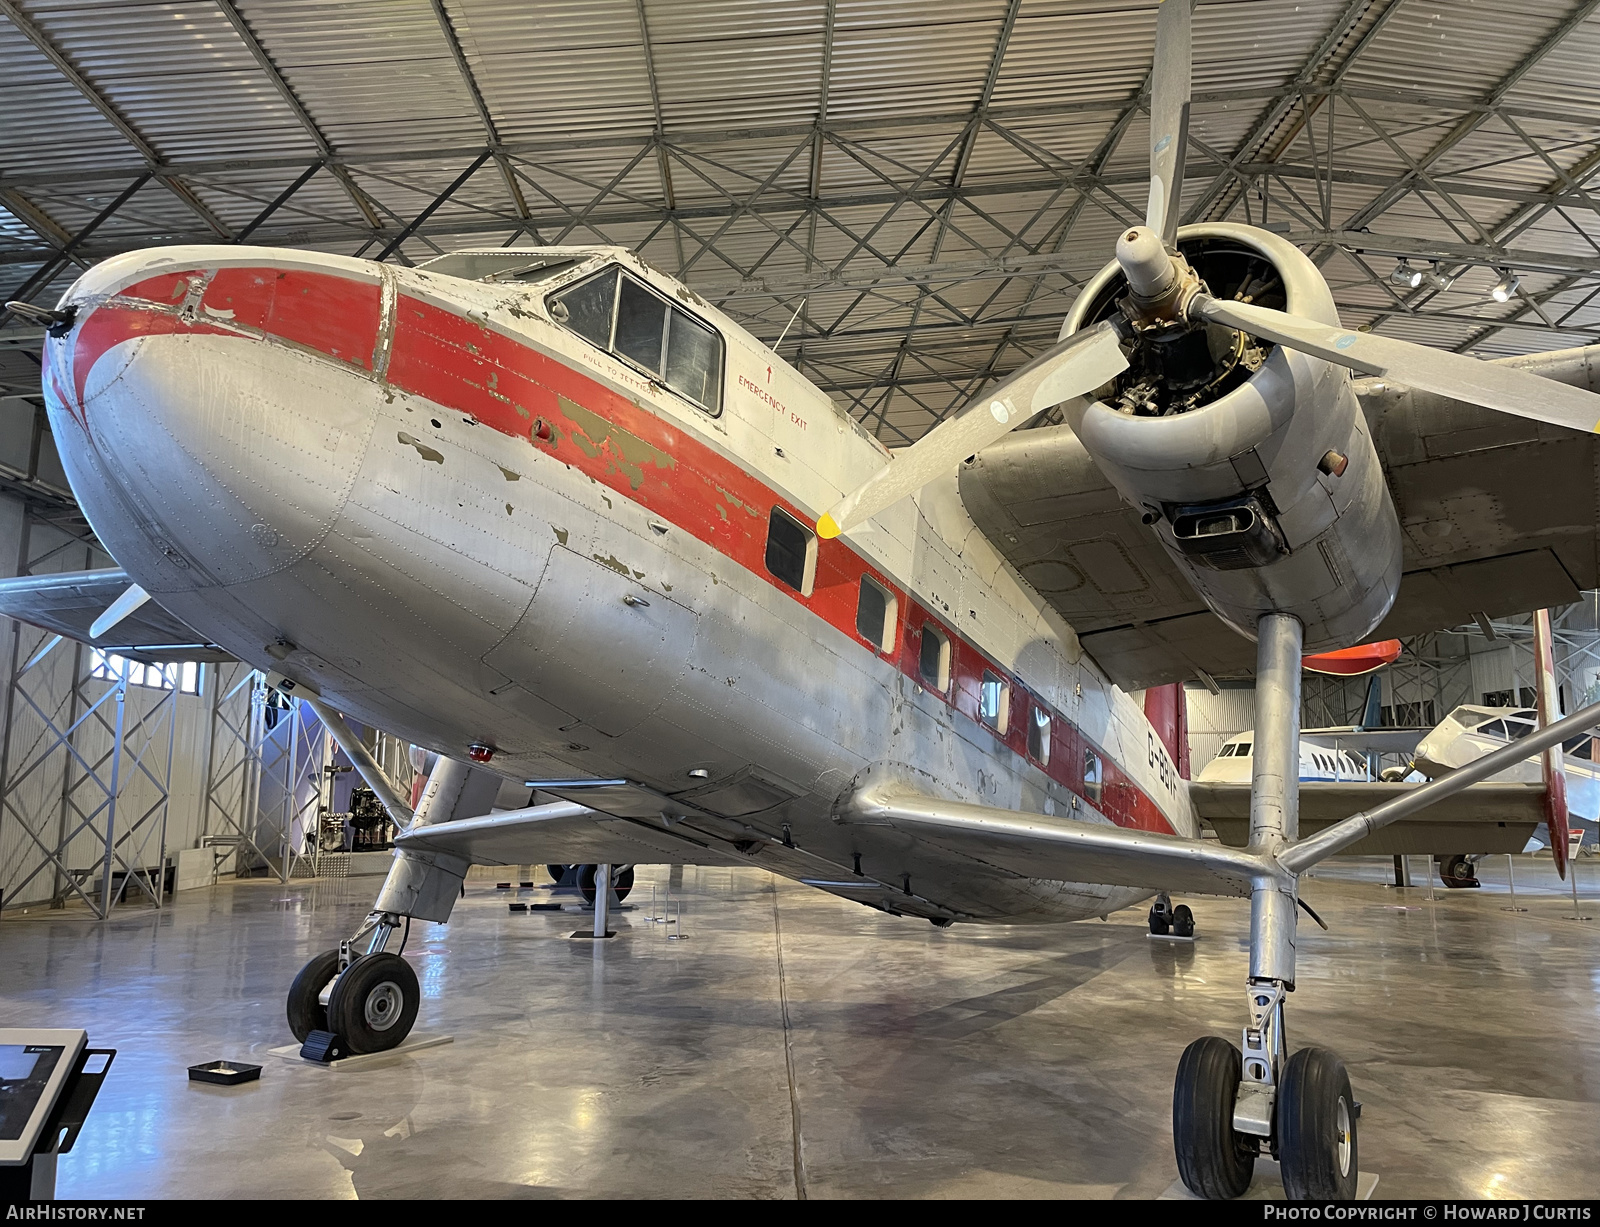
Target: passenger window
point(875, 610)
point(791, 551)
point(1092, 776)
point(994, 702)
point(934, 659)
point(641, 325)
point(1039, 737)
point(587, 307)
point(694, 361)
point(622, 315)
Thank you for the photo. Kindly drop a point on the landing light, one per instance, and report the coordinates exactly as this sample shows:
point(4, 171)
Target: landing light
point(1508, 285)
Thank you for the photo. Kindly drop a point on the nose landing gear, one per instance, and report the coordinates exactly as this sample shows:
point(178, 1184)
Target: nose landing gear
point(369, 999)
point(1166, 919)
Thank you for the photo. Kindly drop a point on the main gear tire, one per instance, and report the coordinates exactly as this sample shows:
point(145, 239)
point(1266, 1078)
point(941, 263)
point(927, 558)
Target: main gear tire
point(1182, 921)
point(1316, 1118)
point(1214, 1160)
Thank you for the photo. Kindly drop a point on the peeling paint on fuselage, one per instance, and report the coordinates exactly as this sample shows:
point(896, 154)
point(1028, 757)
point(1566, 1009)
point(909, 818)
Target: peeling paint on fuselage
point(626, 451)
point(428, 580)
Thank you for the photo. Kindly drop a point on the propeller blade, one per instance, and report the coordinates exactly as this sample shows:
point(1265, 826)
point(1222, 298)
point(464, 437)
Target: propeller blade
point(1169, 116)
point(119, 609)
point(1080, 364)
point(1457, 376)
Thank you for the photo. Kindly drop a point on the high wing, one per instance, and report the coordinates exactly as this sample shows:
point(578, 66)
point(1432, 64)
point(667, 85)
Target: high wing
point(1488, 817)
point(68, 604)
point(1500, 515)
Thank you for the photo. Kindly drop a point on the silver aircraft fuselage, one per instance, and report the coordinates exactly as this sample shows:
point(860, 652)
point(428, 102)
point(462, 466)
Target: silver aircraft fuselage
point(425, 499)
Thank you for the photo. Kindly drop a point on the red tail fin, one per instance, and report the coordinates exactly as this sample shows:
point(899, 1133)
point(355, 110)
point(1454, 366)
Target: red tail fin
point(1168, 713)
point(1555, 776)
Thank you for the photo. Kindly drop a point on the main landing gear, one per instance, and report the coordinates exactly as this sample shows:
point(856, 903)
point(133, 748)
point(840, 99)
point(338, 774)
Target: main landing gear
point(1227, 1104)
point(369, 999)
point(583, 877)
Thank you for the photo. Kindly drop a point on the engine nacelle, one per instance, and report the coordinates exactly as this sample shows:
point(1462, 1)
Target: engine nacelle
point(1252, 463)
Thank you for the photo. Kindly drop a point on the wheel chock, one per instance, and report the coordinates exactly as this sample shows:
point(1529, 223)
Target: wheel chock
point(322, 1047)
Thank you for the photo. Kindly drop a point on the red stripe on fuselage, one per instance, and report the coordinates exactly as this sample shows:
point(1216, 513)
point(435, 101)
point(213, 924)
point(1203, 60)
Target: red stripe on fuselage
point(111, 325)
point(333, 315)
point(328, 314)
point(512, 386)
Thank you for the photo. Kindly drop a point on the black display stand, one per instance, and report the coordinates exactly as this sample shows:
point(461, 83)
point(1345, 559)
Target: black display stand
point(35, 1180)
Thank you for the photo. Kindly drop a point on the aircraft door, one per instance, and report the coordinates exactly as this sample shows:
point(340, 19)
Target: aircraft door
point(597, 643)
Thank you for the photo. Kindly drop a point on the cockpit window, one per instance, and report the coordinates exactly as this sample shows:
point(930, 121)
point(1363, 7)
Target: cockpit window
point(587, 308)
point(641, 326)
point(621, 314)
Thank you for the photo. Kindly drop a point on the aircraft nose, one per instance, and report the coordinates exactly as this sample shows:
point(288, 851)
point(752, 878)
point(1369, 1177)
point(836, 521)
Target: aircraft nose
point(213, 406)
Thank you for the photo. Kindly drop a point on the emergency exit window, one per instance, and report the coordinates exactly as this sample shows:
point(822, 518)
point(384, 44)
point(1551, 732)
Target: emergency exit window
point(1093, 776)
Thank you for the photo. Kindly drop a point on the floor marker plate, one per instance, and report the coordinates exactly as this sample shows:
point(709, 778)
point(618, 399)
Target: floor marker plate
point(291, 1052)
point(1268, 1185)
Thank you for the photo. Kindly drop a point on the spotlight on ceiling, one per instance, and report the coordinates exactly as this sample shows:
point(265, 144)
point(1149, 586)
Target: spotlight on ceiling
point(1505, 287)
point(1438, 279)
point(1405, 276)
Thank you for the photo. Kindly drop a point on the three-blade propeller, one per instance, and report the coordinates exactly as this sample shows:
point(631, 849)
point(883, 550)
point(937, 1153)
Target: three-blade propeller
point(1090, 358)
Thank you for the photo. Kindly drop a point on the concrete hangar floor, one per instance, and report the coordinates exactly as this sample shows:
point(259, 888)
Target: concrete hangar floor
point(796, 1043)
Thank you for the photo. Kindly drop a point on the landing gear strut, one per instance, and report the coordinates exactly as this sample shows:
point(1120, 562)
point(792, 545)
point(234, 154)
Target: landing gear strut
point(1226, 1103)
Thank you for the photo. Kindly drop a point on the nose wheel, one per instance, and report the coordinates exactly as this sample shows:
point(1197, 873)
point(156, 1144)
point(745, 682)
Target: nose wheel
point(374, 1003)
point(369, 1000)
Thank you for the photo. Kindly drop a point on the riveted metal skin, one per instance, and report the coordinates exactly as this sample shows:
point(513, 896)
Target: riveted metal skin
point(455, 519)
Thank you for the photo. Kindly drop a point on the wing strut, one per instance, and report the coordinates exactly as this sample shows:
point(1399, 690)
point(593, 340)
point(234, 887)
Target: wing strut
point(363, 761)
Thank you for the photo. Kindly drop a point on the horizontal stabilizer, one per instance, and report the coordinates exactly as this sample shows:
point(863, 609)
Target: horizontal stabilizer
point(71, 602)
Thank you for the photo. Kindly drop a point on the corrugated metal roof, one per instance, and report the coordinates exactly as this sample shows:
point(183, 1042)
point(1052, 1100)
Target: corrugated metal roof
point(744, 96)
